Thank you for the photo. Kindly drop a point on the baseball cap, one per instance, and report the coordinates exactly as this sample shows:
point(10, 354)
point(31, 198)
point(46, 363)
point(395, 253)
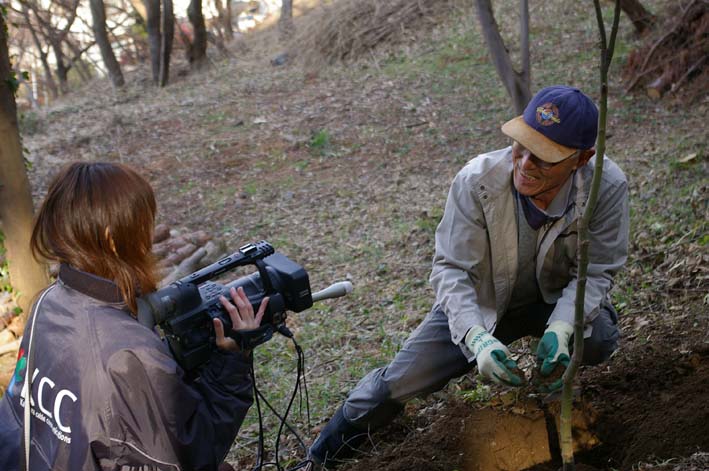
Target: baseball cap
point(557, 121)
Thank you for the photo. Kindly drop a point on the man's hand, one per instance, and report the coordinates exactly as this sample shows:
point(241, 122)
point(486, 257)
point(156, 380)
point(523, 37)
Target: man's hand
point(493, 358)
point(553, 350)
point(242, 317)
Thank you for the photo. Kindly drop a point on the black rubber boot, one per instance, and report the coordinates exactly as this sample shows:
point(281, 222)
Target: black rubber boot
point(339, 440)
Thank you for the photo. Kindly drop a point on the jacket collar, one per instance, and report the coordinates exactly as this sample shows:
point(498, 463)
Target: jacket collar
point(90, 285)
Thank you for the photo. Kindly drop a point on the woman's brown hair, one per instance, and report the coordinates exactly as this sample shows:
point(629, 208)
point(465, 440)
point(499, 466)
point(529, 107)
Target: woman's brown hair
point(99, 218)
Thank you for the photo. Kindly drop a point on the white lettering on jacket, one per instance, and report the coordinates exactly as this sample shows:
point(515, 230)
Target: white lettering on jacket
point(42, 382)
point(54, 402)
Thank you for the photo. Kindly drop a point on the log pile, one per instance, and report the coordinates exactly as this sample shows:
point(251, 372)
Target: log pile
point(180, 253)
point(675, 57)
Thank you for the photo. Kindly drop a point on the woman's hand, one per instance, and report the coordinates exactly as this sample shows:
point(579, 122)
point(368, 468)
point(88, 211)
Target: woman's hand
point(242, 317)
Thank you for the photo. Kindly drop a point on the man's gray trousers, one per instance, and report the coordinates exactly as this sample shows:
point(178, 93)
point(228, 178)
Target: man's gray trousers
point(428, 360)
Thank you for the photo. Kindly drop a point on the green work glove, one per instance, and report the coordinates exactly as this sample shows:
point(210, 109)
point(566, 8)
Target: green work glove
point(493, 358)
point(553, 350)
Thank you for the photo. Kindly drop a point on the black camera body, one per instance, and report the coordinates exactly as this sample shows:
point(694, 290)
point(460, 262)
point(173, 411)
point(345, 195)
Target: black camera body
point(184, 309)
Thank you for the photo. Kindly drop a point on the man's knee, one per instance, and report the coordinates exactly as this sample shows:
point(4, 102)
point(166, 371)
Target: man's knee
point(604, 337)
point(370, 403)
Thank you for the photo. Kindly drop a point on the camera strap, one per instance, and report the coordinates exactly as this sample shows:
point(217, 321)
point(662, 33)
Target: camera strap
point(28, 380)
point(249, 339)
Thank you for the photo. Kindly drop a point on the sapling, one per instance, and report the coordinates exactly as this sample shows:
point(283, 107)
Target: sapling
point(607, 47)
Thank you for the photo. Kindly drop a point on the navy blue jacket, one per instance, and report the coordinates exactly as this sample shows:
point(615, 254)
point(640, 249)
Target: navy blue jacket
point(108, 394)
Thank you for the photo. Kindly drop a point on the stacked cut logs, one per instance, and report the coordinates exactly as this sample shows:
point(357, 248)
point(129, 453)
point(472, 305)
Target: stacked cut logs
point(675, 55)
point(180, 253)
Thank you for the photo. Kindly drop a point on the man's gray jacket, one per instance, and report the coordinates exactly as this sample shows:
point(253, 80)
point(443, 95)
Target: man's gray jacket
point(107, 393)
point(475, 263)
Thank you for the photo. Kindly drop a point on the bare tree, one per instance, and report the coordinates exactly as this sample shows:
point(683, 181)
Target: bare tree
point(53, 35)
point(43, 55)
point(286, 28)
point(516, 82)
point(98, 12)
point(161, 28)
point(197, 49)
point(28, 276)
point(224, 12)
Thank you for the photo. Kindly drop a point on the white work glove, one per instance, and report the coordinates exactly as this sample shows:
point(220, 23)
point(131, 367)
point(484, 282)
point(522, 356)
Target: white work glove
point(553, 350)
point(493, 358)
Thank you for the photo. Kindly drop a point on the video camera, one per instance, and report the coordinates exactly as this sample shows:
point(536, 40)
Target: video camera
point(184, 309)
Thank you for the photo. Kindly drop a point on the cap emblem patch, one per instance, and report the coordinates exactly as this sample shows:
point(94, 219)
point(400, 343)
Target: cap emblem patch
point(548, 114)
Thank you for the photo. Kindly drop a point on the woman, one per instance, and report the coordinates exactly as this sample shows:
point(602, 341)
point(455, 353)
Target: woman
point(106, 392)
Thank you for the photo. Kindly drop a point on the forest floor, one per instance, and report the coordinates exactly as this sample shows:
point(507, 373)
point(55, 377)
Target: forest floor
point(345, 169)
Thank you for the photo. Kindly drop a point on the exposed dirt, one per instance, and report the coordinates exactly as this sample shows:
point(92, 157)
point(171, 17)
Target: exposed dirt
point(649, 402)
point(545, 381)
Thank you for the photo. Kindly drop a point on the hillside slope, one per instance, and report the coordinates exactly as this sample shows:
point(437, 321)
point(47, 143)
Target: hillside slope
point(345, 168)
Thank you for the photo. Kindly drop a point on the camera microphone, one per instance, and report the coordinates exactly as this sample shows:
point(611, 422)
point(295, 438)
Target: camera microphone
point(335, 290)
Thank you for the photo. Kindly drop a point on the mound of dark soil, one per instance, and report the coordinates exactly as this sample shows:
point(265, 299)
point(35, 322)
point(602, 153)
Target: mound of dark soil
point(649, 403)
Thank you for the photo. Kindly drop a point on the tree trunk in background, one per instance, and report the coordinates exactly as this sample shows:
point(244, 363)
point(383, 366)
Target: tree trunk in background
point(641, 18)
point(224, 13)
point(167, 24)
point(48, 77)
point(27, 276)
point(98, 13)
point(152, 8)
point(54, 36)
point(516, 83)
point(228, 28)
point(161, 29)
point(61, 69)
point(286, 28)
point(197, 50)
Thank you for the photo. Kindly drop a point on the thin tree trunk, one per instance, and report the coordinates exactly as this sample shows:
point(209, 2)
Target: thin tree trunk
point(61, 69)
point(48, 76)
point(30, 92)
point(228, 28)
point(98, 13)
point(526, 72)
point(197, 50)
point(56, 37)
point(167, 25)
point(28, 84)
point(27, 276)
point(224, 13)
point(516, 83)
point(152, 8)
point(286, 28)
point(565, 417)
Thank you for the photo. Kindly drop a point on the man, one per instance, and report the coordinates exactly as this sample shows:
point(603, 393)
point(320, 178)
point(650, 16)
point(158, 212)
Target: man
point(505, 267)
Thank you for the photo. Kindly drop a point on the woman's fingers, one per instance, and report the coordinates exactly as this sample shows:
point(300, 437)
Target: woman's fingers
point(241, 311)
point(261, 311)
point(242, 302)
point(223, 343)
point(231, 310)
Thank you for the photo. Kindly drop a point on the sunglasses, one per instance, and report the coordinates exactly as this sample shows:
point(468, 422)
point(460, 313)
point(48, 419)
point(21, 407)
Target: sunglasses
point(539, 163)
